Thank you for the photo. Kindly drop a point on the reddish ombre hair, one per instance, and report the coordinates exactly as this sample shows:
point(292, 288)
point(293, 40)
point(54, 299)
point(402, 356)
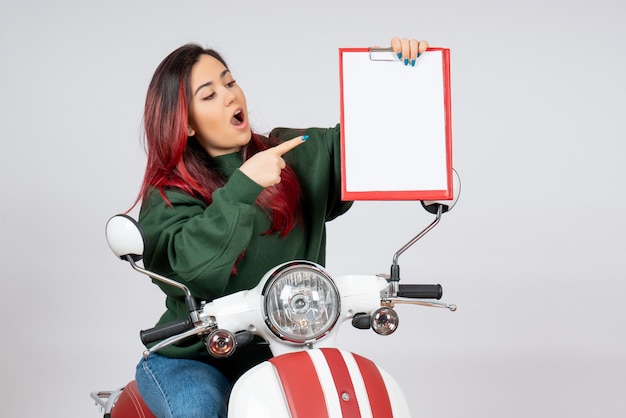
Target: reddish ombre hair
point(178, 161)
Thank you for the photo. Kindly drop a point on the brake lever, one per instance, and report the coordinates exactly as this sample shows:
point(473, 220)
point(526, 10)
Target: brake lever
point(204, 328)
point(407, 301)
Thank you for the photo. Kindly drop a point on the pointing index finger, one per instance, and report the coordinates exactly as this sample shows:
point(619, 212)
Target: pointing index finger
point(290, 144)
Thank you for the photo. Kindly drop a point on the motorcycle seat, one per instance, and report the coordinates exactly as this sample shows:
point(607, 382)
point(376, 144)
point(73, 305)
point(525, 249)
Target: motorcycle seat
point(130, 404)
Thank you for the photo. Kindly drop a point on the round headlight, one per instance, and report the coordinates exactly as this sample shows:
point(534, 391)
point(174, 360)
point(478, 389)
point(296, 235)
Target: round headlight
point(301, 302)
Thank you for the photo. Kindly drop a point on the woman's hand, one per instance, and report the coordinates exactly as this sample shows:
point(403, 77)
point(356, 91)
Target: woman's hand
point(264, 168)
point(408, 50)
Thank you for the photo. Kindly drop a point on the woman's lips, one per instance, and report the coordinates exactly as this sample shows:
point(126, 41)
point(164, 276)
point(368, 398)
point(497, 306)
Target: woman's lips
point(238, 120)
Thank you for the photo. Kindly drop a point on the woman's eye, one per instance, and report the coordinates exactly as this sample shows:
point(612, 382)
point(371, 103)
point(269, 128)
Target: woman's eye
point(209, 97)
point(232, 83)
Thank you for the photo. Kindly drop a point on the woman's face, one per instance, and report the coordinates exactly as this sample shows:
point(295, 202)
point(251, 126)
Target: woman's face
point(218, 116)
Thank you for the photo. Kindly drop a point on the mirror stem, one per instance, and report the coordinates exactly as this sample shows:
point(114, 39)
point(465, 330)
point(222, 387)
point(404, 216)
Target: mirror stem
point(192, 307)
point(395, 267)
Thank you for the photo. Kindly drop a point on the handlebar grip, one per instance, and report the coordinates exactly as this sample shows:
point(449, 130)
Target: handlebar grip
point(420, 291)
point(163, 331)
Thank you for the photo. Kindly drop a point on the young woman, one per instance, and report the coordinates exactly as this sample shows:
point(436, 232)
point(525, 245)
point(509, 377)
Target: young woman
point(221, 205)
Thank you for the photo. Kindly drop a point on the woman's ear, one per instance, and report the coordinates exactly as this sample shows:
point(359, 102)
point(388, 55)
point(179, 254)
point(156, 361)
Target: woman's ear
point(190, 131)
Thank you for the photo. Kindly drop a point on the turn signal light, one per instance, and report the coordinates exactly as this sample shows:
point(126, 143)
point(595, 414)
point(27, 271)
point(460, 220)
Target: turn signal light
point(384, 321)
point(221, 343)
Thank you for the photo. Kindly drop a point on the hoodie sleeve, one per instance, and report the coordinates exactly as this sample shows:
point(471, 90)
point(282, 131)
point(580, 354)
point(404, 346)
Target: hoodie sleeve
point(197, 244)
point(318, 166)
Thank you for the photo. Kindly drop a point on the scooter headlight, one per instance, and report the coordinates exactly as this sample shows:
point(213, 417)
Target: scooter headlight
point(301, 302)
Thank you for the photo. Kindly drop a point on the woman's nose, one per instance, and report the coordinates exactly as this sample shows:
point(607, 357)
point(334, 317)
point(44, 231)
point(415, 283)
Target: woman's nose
point(229, 97)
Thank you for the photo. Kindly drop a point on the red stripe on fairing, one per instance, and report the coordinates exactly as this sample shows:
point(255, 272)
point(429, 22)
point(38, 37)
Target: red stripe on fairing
point(343, 382)
point(301, 385)
point(375, 386)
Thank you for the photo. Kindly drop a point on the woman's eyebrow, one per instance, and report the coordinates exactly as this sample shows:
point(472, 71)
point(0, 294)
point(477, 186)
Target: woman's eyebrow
point(207, 84)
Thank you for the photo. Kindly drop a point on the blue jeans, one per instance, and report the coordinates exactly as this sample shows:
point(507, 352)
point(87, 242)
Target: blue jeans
point(182, 388)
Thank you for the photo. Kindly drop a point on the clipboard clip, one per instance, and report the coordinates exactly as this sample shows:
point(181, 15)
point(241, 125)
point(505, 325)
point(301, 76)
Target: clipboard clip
point(382, 54)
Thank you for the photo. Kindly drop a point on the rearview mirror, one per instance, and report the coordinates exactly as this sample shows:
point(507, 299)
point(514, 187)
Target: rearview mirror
point(124, 237)
point(432, 206)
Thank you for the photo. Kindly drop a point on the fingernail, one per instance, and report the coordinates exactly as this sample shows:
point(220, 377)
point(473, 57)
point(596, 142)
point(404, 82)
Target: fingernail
point(305, 137)
point(418, 54)
point(412, 63)
point(406, 61)
point(399, 55)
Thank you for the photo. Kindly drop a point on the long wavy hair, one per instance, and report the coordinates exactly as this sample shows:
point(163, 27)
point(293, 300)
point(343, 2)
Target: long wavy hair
point(178, 161)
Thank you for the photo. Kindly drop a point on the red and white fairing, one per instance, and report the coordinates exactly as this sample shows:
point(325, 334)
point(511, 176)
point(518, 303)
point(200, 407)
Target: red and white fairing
point(318, 383)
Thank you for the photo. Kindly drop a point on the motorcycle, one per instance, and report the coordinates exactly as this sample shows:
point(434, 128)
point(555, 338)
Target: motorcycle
point(297, 308)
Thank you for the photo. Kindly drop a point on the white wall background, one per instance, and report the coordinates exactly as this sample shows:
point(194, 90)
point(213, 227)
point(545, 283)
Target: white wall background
point(532, 254)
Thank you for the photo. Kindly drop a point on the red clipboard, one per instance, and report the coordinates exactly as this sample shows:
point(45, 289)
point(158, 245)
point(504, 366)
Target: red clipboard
point(396, 125)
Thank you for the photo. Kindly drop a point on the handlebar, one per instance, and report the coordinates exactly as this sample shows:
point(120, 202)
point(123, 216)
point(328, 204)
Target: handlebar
point(420, 291)
point(163, 331)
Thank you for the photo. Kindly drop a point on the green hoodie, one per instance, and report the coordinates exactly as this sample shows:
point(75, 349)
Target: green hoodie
point(197, 245)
